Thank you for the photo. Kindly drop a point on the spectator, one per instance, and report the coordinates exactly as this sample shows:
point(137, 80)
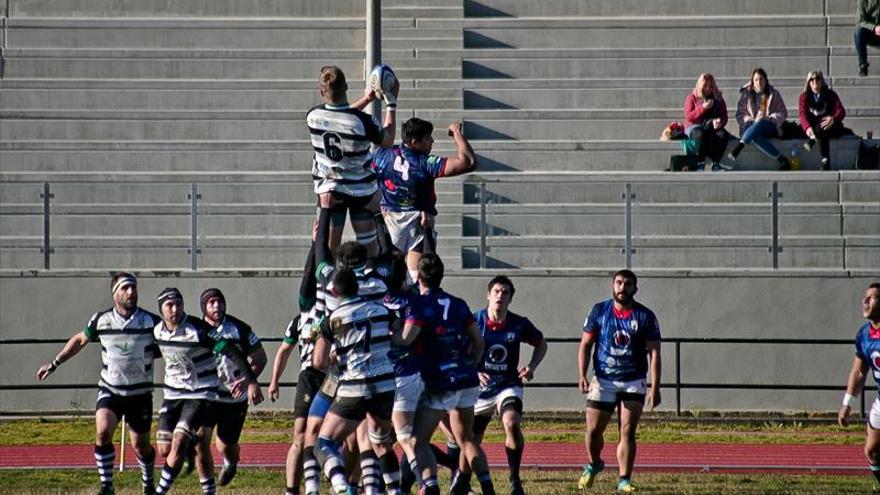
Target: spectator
point(867, 31)
point(705, 115)
point(760, 114)
point(821, 115)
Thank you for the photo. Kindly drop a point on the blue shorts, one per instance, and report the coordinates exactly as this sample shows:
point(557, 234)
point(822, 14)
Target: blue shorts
point(320, 405)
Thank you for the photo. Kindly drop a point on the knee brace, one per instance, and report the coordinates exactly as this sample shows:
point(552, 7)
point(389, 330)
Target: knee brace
point(163, 436)
point(327, 449)
point(512, 404)
point(404, 433)
point(379, 438)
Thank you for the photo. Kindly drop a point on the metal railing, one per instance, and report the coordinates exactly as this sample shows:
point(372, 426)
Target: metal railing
point(678, 383)
point(486, 203)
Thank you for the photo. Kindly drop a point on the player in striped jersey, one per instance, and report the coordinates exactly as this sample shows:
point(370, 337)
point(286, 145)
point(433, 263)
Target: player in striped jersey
point(341, 135)
point(230, 411)
point(125, 388)
point(360, 330)
point(445, 325)
point(188, 346)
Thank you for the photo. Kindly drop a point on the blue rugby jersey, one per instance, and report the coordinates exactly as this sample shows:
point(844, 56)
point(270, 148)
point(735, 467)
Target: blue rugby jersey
point(406, 178)
point(868, 348)
point(501, 355)
point(620, 352)
point(443, 318)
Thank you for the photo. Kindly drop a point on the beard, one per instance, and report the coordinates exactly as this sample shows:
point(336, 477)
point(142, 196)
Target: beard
point(623, 298)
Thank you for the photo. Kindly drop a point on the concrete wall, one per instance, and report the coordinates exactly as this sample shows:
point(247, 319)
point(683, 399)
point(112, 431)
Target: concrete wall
point(689, 304)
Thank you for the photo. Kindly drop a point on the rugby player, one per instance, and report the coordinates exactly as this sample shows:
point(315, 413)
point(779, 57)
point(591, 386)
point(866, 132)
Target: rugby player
point(445, 325)
point(188, 346)
point(406, 175)
point(501, 378)
point(341, 135)
point(621, 336)
point(125, 388)
point(360, 331)
point(230, 412)
point(867, 358)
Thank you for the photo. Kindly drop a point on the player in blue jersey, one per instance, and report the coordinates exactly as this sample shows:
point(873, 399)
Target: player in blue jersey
point(446, 329)
point(406, 175)
point(620, 336)
point(501, 377)
point(867, 358)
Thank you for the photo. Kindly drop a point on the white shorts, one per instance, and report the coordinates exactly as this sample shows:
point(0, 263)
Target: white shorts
point(604, 390)
point(405, 229)
point(447, 401)
point(491, 404)
point(874, 415)
point(408, 392)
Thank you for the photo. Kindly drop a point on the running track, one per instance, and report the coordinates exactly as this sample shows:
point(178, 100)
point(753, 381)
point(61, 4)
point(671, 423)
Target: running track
point(727, 458)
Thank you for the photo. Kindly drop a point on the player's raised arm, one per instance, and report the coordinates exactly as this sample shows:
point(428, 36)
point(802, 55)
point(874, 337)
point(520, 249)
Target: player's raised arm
point(70, 349)
point(465, 161)
point(854, 385)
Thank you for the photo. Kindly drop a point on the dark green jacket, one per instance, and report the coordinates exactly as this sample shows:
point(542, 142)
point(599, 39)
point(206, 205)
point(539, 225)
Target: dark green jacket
point(869, 14)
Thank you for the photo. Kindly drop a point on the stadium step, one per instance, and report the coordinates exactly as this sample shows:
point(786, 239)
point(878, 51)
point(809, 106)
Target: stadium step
point(184, 8)
point(559, 8)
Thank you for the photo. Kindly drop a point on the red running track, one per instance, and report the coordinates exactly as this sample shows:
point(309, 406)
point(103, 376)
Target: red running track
point(727, 458)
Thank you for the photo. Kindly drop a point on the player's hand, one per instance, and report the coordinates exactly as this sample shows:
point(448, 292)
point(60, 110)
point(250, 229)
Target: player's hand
point(583, 384)
point(843, 416)
point(526, 373)
point(274, 392)
point(369, 94)
point(877, 30)
point(484, 378)
point(44, 372)
point(826, 122)
point(810, 133)
point(427, 220)
point(334, 358)
point(255, 395)
point(653, 398)
point(455, 128)
point(390, 97)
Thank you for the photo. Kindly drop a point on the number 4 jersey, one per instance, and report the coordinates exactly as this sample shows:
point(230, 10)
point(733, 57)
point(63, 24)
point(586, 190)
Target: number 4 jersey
point(406, 178)
point(341, 138)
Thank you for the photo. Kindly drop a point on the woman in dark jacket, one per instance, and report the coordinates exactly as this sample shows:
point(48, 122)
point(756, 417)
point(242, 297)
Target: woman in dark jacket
point(821, 115)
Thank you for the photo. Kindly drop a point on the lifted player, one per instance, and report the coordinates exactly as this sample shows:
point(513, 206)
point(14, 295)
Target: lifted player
point(620, 335)
point(125, 332)
point(867, 358)
point(501, 378)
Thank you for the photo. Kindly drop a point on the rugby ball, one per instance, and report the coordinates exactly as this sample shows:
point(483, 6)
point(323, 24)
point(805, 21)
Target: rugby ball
point(382, 80)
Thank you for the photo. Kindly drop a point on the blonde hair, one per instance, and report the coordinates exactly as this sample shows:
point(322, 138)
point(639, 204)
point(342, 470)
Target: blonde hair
point(811, 75)
point(333, 85)
point(704, 79)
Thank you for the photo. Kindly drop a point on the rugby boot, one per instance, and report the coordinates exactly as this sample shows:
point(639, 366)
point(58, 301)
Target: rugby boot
point(227, 473)
point(589, 475)
point(625, 486)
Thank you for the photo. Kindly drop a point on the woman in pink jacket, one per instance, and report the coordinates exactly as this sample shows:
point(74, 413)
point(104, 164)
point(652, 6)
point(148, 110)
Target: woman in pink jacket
point(705, 116)
point(821, 114)
point(760, 114)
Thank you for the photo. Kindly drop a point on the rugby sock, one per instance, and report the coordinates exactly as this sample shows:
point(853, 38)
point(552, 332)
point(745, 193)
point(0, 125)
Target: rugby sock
point(875, 470)
point(370, 472)
point(454, 453)
point(104, 457)
point(431, 486)
point(461, 483)
point(292, 491)
point(409, 474)
point(444, 458)
point(147, 464)
point(311, 471)
point(209, 487)
point(390, 472)
point(514, 459)
point(167, 479)
point(486, 485)
point(335, 472)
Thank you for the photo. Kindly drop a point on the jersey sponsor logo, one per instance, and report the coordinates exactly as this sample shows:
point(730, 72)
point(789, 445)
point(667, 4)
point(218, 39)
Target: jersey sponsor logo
point(497, 356)
point(124, 350)
point(510, 336)
point(634, 325)
point(875, 364)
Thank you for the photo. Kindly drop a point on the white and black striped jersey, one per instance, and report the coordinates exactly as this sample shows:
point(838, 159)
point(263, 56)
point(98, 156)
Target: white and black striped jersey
point(361, 331)
point(303, 330)
point(243, 337)
point(188, 351)
point(372, 285)
point(127, 350)
point(341, 138)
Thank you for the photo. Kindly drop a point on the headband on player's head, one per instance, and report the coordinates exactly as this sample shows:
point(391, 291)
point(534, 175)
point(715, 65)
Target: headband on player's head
point(123, 281)
point(169, 294)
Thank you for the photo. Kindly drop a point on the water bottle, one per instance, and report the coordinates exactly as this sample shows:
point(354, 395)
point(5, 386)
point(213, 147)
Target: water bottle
point(795, 158)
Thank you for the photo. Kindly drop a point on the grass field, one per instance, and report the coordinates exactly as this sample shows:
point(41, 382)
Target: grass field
point(253, 482)
point(276, 429)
